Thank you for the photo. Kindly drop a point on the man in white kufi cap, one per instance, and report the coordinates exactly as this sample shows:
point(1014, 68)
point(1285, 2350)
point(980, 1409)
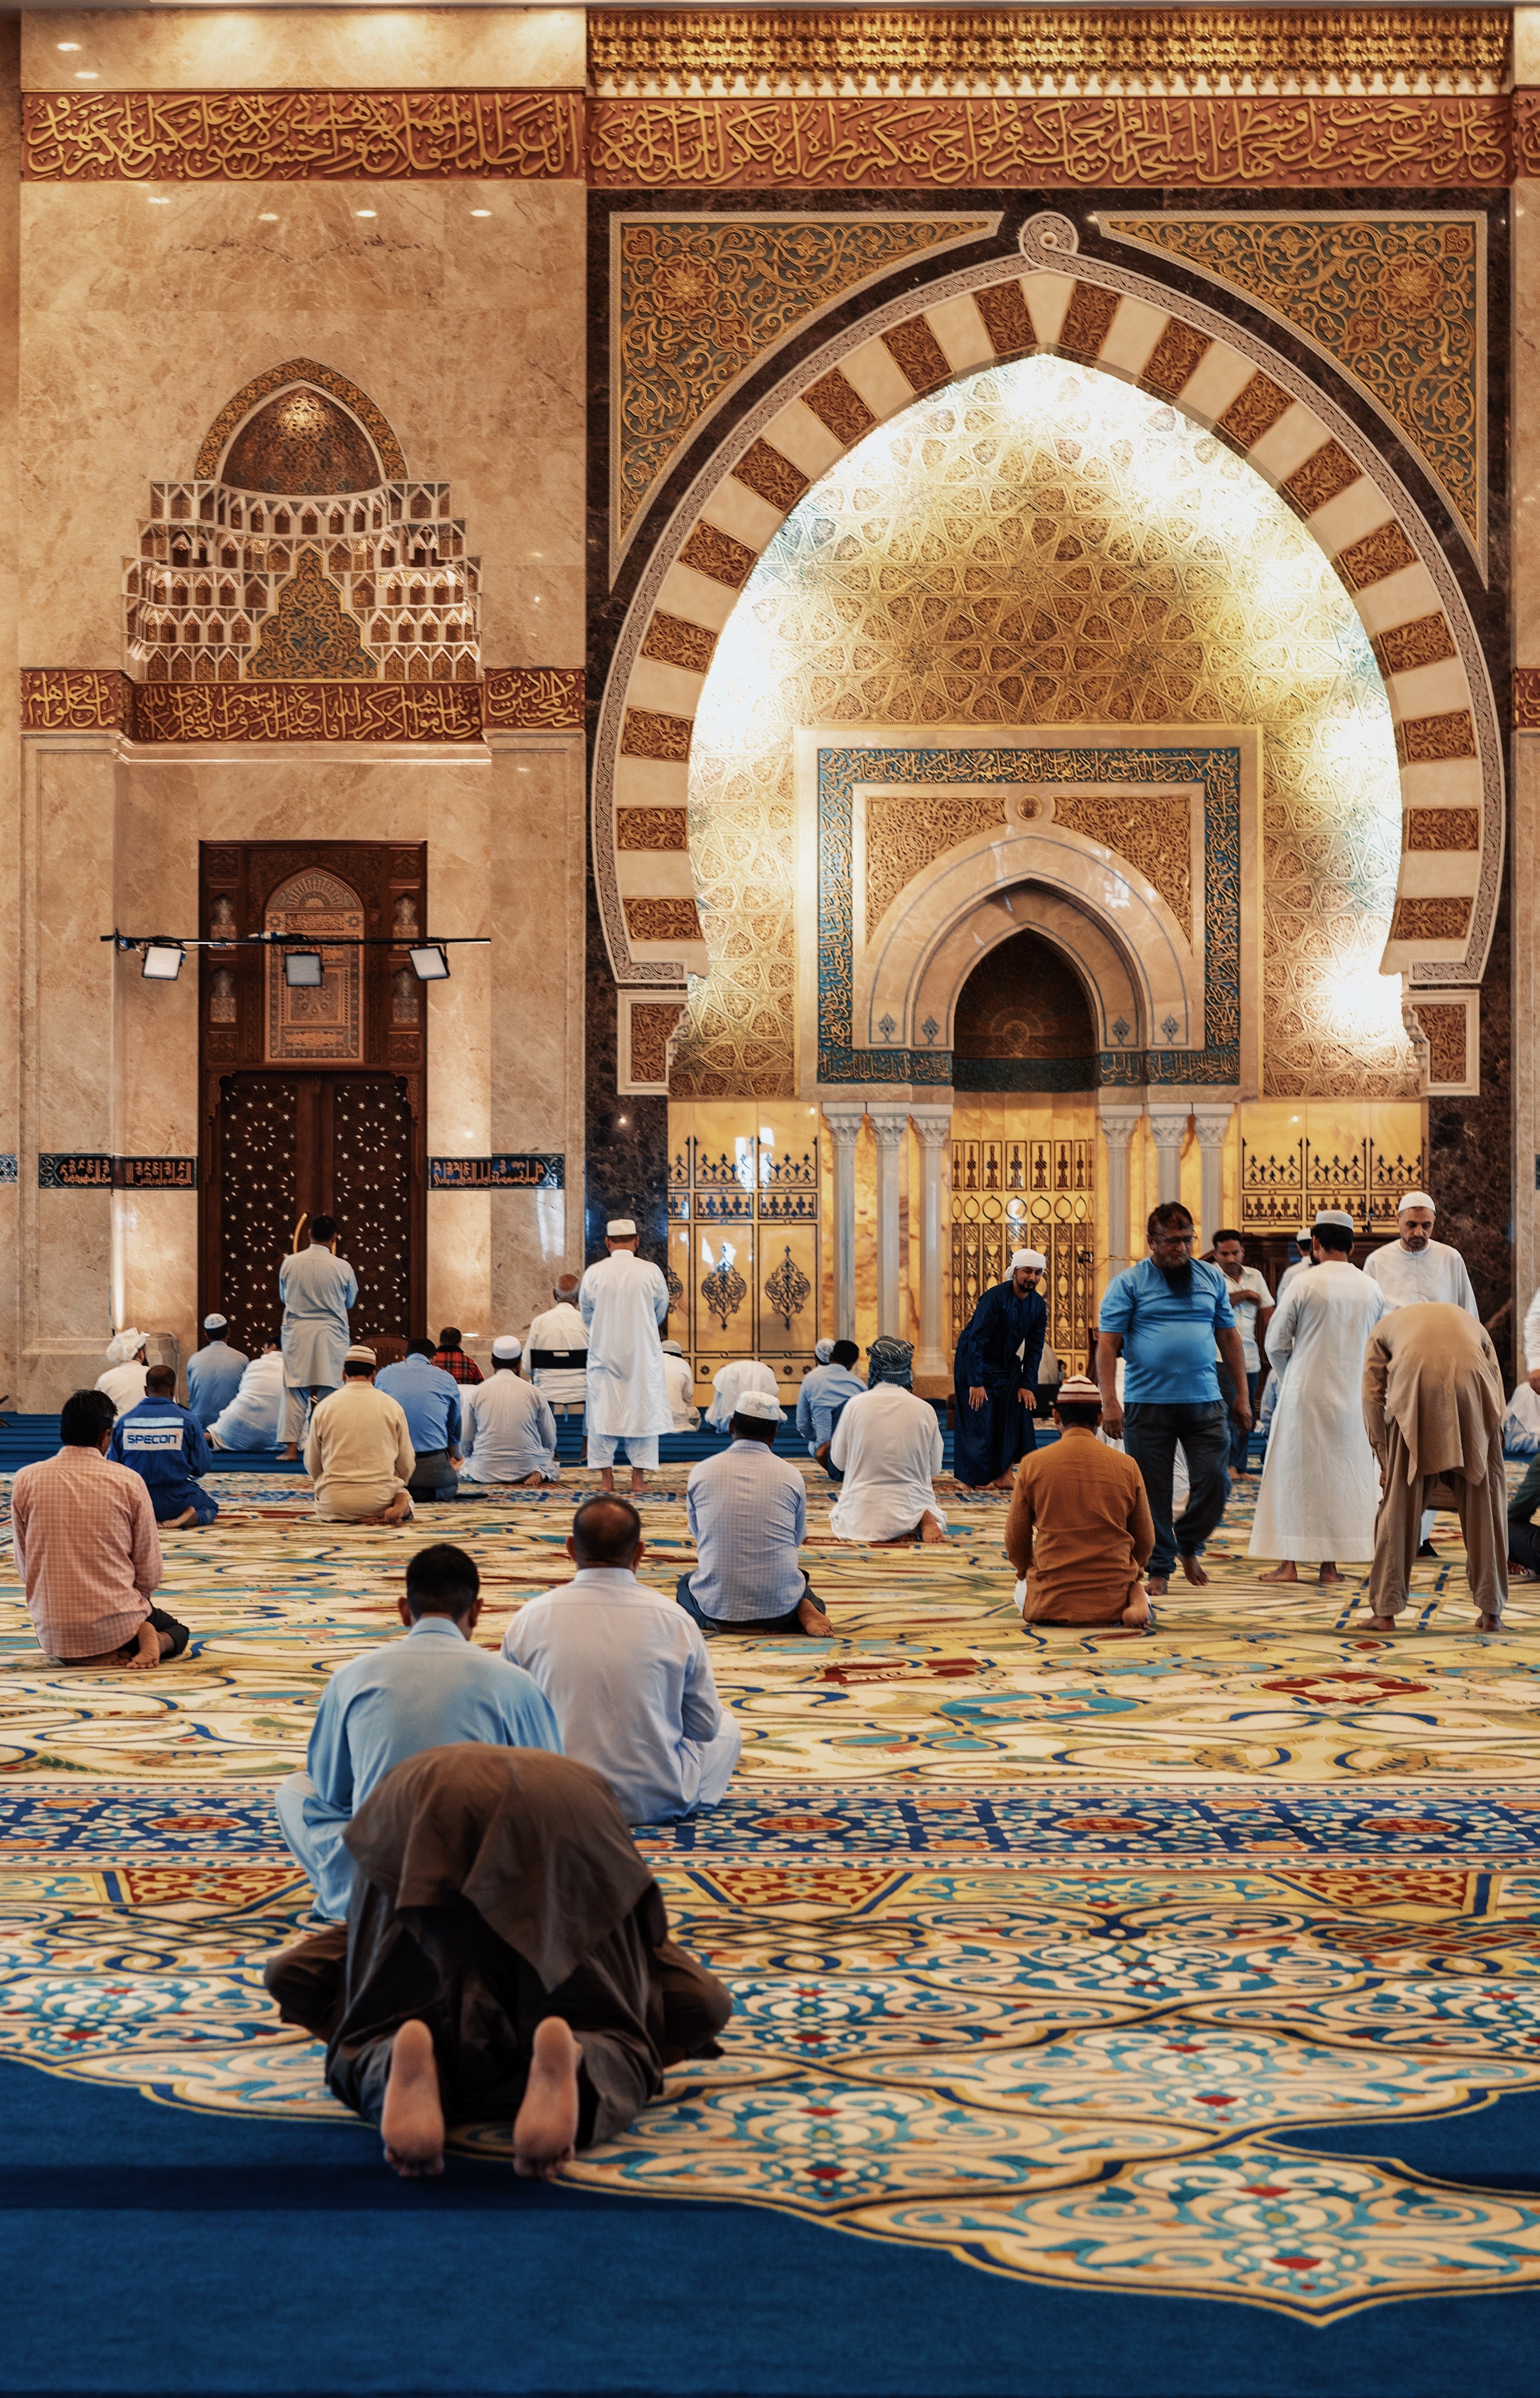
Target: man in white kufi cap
point(995, 1376)
point(510, 1429)
point(127, 1365)
point(1321, 1485)
point(624, 1300)
point(1415, 1266)
point(214, 1372)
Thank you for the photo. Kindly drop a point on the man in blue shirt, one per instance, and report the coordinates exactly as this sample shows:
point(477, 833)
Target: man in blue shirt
point(166, 1445)
point(1165, 1318)
point(823, 1396)
point(747, 1515)
point(214, 1372)
point(432, 1689)
point(430, 1400)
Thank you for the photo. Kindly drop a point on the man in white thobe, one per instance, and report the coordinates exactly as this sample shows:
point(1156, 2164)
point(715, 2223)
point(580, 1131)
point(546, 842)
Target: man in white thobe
point(127, 1365)
point(682, 1387)
point(1415, 1266)
point(887, 1446)
point(509, 1432)
point(1321, 1485)
point(317, 1288)
point(557, 1346)
point(628, 1674)
point(255, 1417)
point(623, 1299)
point(730, 1382)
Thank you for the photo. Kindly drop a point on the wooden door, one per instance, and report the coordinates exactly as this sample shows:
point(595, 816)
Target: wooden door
point(313, 1102)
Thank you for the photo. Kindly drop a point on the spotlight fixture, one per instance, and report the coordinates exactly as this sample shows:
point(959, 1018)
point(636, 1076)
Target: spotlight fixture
point(429, 964)
point(303, 969)
point(163, 961)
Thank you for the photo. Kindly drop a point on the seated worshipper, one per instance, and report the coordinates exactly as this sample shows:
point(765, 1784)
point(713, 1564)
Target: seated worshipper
point(822, 1400)
point(1432, 1407)
point(628, 1674)
point(214, 1372)
point(1524, 1541)
point(255, 1417)
point(358, 1451)
point(430, 1401)
point(128, 1364)
point(995, 1376)
point(166, 1445)
point(1521, 1424)
point(682, 1387)
point(432, 1689)
point(449, 1356)
point(887, 1446)
point(87, 1552)
point(557, 1347)
point(1079, 1531)
point(510, 1432)
point(748, 1516)
point(506, 1959)
point(739, 1375)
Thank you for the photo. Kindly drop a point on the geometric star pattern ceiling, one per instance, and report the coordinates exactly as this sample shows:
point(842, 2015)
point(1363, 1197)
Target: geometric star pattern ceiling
point(1042, 544)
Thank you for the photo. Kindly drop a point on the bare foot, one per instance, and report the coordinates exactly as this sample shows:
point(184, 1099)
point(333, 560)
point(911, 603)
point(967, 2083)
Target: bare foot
point(180, 1523)
point(1158, 1585)
point(412, 2121)
point(813, 1622)
point(606, 1478)
point(639, 1483)
point(545, 2130)
point(1489, 1623)
point(1138, 1609)
point(1286, 1572)
point(1381, 1624)
point(1193, 1568)
point(292, 1454)
point(1328, 1572)
point(931, 1531)
point(1518, 1574)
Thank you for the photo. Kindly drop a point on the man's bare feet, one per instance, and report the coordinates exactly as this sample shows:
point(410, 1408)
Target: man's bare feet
point(545, 2130)
point(181, 1522)
point(606, 1478)
point(1328, 1572)
point(1193, 1568)
point(813, 1622)
point(1286, 1572)
point(292, 1454)
point(1138, 1609)
point(412, 2123)
point(639, 1483)
point(931, 1531)
point(1158, 1585)
point(1381, 1624)
point(1489, 1623)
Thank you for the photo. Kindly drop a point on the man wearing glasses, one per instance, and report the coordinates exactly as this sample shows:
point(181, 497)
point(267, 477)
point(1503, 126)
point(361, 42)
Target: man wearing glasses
point(994, 1378)
point(1165, 1318)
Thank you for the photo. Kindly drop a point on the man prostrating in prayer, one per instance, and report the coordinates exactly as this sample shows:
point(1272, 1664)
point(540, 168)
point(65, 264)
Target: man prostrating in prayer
point(505, 1959)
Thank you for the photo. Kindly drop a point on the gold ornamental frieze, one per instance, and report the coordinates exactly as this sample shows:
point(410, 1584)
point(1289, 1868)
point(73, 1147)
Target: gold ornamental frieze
point(259, 137)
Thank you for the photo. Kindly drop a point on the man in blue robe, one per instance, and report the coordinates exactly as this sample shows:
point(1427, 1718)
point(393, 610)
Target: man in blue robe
point(166, 1445)
point(995, 1377)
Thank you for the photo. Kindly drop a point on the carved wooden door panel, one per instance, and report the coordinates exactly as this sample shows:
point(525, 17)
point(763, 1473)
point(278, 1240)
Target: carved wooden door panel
point(371, 1188)
point(256, 1184)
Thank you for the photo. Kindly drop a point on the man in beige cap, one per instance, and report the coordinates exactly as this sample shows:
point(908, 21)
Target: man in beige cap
point(1432, 1407)
point(1079, 1531)
point(623, 1299)
point(358, 1451)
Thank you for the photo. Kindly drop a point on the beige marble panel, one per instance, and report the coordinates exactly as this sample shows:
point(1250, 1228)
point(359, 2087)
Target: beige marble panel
point(140, 321)
point(1526, 1012)
point(10, 786)
point(71, 1294)
point(535, 1237)
point(154, 1264)
point(1525, 422)
point(304, 49)
point(459, 1258)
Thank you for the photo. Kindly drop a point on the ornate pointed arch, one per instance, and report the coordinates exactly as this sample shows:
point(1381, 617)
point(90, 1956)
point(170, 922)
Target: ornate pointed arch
point(222, 434)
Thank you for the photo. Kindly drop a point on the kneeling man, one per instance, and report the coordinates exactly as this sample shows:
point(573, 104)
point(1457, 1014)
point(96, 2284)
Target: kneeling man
point(1079, 1529)
point(748, 1513)
point(166, 1447)
point(887, 1446)
point(358, 1451)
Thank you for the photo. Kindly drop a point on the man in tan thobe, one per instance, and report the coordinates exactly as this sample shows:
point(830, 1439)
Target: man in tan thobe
point(1079, 1531)
point(1432, 1407)
point(358, 1451)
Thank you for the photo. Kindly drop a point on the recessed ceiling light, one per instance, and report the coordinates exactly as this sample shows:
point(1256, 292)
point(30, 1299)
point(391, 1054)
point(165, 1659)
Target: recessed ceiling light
point(85, 74)
point(268, 216)
point(364, 212)
point(69, 45)
point(158, 200)
point(480, 212)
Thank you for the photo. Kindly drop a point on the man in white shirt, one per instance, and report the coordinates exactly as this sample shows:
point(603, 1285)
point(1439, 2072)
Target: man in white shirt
point(730, 1382)
point(887, 1446)
point(1320, 1485)
point(628, 1674)
point(255, 1417)
point(509, 1432)
point(682, 1387)
point(1251, 1304)
point(1414, 1266)
point(317, 1288)
point(127, 1365)
point(622, 1300)
point(557, 1345)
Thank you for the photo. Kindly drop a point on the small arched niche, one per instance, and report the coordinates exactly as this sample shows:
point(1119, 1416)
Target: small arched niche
point(1023, 1022)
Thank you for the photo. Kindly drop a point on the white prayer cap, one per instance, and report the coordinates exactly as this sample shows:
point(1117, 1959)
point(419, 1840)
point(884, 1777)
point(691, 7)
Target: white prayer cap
point(1415, 1199)
point(1079, 1390)
point(506, 1347)
point(621, 1228)
point(125, 1346)
point(1028, 1258)
point(823, 1350)
point(358, 1355)
point(1336, 1215)
point(763, 1406)
point(673, 1348)
point(216, 1324)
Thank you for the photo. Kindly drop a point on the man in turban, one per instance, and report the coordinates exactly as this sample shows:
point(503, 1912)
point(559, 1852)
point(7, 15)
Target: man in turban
point(996, 1377)
point(1432, 1407)
point(887, 1446)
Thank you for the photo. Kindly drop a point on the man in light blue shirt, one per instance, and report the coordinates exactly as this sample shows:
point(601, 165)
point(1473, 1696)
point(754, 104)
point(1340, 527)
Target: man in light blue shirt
point(748, 1513)
point(822, 1399)
point(433, 1690)
point(1165, 1318)
point(214, 1372)
point(430, 1401)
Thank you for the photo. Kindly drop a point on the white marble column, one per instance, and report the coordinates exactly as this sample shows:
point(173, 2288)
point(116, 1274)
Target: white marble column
point(889, 1126)
point(1118, 1127)
point(1212, 1126)
point(932, 1126)
point(1170, 1128)
point(843, 1119)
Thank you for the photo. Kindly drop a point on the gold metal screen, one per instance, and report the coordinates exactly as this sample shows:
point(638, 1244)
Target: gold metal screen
point(1027, 1193)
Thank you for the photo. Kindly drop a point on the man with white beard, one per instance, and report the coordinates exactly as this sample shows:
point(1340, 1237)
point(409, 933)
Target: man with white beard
point(1320, 1485)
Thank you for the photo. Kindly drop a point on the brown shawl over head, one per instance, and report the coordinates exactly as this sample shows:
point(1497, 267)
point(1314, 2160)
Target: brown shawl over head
point(534, 1843)
point(1430, 1369)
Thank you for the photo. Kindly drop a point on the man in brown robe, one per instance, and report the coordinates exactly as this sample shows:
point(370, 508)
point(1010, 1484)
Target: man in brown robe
point(1432, 1407)
point(505, 1959)
point(1079, 1526)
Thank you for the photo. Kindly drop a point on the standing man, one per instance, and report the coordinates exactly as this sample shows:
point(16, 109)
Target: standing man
point(430, 1401)
point(317, 1288)
point(996, 1377)
point(623, 1299)
point(1414, 1266)
point(1164, 1316)
point(1432, 1406)
point(214, 1372)
point(167, 1448)
point(1251, 1303)
point(1319, 1485)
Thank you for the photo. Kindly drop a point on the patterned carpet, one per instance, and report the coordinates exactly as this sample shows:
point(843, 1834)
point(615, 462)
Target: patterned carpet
point(1048, 1949)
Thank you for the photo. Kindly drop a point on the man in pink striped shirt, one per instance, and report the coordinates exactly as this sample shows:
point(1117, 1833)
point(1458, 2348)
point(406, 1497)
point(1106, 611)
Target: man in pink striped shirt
point(88, 1550)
